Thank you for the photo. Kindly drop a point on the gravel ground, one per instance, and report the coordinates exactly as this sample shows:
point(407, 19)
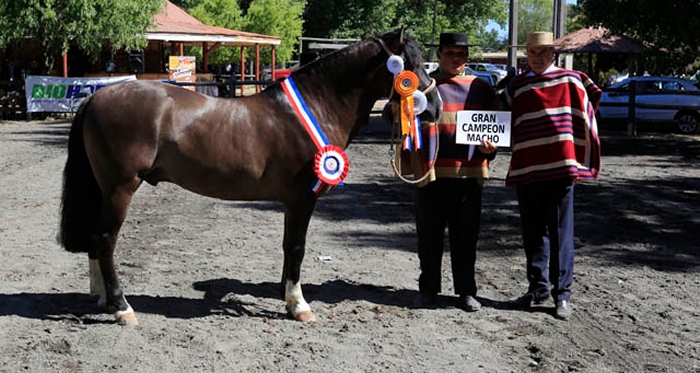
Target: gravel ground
point(202, 274)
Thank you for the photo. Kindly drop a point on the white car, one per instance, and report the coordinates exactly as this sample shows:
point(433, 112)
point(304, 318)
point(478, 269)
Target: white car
point(658, 99)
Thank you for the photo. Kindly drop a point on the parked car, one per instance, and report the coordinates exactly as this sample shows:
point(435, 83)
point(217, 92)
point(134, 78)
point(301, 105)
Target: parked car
point(663, 99)
point(430, 66)
point(281, 72)
point(481, 75)
point(489, 68)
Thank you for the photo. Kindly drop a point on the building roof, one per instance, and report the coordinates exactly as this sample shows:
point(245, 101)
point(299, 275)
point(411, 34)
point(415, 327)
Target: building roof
point(175, 25)
point(597, 40)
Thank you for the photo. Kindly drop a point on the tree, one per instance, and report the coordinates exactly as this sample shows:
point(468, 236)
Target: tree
point(671, 27)
point(59, 24)
point(269, 17)
point(423, 19)
point(534, 15)
point(279, 18)
point(220, 13)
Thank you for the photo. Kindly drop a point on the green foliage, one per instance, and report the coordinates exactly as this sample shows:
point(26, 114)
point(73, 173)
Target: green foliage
point(58, 24)
point(671, 27)
point(278, 18)
point(423, 19)
point(534, 15)
point(268, 17)
point(221, 13)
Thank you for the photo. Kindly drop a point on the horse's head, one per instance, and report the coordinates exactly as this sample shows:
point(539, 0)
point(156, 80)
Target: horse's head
point(396, 43)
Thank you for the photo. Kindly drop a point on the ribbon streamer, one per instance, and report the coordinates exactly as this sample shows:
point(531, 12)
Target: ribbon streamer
point(406, 85)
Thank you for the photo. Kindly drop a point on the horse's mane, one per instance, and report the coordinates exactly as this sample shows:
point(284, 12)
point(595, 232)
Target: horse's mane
point(345, 64)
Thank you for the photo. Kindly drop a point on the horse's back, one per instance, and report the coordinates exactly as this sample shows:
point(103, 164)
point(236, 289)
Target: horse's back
point(223, 148)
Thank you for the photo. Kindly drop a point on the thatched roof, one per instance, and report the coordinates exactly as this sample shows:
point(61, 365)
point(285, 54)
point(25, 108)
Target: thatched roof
point(597, 40)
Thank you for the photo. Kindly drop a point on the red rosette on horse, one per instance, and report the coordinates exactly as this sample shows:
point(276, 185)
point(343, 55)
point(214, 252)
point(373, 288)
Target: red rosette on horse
point(331, 165)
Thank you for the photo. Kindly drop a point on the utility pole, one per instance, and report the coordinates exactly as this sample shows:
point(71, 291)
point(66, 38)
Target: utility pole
point(559, 21)
point(432, 48)
point(513, 34)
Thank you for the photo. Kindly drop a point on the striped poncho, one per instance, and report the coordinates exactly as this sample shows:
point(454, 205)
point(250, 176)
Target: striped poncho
point(453, 160)
point(554, 132)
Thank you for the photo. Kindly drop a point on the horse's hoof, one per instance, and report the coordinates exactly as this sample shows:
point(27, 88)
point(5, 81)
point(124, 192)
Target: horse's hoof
point(127, 318)
point(306, 317)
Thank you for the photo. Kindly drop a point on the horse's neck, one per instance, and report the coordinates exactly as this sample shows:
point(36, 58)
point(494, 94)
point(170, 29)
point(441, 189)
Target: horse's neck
point(341, 95)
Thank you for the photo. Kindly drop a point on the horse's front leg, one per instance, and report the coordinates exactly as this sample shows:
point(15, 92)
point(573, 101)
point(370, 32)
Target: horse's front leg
point(296, 222)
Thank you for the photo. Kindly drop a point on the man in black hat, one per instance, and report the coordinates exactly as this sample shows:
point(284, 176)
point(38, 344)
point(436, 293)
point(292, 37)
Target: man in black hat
point(451, 197)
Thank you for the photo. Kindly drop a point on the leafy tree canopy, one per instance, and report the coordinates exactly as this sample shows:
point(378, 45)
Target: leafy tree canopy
point(268, 17)
point(88, 23)
point(672, 27)
point(423, 19)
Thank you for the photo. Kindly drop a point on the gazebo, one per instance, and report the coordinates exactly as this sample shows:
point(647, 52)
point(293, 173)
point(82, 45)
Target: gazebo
point(598, 41)
point(176, 28)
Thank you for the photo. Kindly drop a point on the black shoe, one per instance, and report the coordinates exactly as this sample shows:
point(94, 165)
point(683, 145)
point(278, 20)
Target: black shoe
point(469, 303)
point(531, 298)
point(425, 300)
point(563, 311)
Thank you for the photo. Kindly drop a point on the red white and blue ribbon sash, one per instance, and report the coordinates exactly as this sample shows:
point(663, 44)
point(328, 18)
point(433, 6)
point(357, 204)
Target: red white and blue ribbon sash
point(331, 164)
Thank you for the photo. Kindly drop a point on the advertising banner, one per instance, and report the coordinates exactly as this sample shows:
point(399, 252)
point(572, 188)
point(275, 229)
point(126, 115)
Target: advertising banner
point(183, 69)
point(63, 95)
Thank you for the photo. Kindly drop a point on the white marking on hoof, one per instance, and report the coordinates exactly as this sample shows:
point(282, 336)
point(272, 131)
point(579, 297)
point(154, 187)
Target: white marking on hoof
point(296, 305)
point(97, 283)
point(126, 317)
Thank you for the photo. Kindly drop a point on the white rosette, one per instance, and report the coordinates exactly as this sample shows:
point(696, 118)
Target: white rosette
point(394, 64)
point(420, 102)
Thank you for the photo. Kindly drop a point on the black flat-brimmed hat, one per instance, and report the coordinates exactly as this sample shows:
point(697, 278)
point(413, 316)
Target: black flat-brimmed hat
point(460, 39)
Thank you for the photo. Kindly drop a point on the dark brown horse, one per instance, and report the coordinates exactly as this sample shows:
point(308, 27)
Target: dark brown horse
point(248, 148)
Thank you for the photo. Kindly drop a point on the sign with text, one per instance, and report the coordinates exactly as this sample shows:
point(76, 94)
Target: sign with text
point(183, 69)
point(473, 126)
point(63, 95)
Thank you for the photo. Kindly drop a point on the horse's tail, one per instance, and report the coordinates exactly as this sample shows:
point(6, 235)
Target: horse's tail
point(81, 199)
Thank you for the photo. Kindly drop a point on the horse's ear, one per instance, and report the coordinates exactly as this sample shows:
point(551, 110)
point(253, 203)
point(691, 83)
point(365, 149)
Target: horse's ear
point(401, 35)
point(374, 33)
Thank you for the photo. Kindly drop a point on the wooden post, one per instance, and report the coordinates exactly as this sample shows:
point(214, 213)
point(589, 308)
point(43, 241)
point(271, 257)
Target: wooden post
point(632, 110)
point(242, 68)
point(257, 66)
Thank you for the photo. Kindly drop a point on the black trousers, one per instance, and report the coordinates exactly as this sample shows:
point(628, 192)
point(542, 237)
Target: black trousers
point(454, 204)
point(547, 219)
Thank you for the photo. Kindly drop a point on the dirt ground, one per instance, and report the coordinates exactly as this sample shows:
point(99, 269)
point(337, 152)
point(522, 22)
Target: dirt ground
point(203, 275)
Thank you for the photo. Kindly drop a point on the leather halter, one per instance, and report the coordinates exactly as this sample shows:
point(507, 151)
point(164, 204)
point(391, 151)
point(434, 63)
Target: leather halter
point(392, 153)
point(388, 51)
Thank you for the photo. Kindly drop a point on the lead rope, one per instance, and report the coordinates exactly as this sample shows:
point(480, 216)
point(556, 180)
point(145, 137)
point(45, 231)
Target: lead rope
point(394, 141)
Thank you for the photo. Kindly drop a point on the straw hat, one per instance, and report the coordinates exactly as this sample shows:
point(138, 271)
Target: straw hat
point(540, 39)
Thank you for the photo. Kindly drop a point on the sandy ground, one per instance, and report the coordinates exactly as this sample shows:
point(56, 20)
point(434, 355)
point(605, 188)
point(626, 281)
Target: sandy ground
point(203, 275)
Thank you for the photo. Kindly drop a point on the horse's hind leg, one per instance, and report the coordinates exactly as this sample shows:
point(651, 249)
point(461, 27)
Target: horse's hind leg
point(296, 222)
point(112, 215)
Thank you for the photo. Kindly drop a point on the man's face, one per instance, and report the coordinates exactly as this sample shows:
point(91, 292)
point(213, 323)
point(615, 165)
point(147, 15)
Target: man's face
point(539, 58)
point(452, 59)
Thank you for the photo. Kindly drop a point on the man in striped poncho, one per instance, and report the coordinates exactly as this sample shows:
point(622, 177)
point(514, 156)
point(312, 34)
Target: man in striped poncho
point(451, 197)
point(555, 144)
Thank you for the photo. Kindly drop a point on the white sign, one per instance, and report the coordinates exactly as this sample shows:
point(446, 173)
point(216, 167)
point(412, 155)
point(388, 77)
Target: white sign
point(473, 126)
point(63, 95)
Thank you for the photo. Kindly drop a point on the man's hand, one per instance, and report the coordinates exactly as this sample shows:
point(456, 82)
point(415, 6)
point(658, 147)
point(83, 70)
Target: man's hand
point(487, 147)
